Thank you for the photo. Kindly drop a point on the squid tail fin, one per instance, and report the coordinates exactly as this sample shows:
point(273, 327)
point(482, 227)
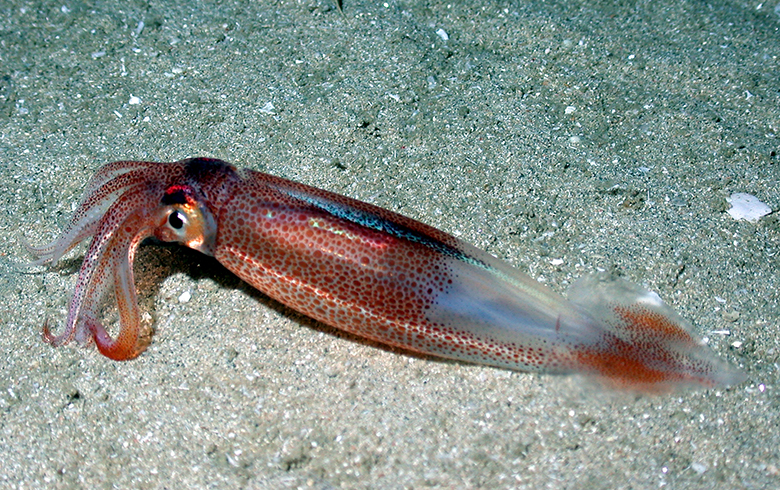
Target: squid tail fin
point(645, 345)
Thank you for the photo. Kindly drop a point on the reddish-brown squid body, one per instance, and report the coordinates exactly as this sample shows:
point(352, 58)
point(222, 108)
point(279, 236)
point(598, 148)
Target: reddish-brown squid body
point(368, 271)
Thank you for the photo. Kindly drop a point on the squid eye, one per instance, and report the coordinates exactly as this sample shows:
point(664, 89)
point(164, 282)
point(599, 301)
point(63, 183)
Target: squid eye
point(176, 220)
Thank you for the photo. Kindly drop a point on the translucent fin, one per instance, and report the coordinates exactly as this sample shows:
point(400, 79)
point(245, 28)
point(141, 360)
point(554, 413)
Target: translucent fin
point(646, 345)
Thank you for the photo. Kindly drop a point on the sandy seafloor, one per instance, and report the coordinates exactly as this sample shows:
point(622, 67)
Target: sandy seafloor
point(564, 137)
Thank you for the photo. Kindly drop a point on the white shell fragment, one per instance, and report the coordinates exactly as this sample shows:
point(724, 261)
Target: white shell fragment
point(185, 297)
point(268, 108)
point(746, 207)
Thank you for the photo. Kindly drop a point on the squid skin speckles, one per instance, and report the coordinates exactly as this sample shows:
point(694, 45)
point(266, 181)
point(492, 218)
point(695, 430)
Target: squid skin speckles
point(370, 272)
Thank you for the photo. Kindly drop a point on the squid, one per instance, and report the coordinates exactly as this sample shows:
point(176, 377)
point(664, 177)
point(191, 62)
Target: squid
point(368, 271)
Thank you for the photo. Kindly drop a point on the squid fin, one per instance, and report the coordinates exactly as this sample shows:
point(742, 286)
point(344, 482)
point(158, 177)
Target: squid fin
point(645, 345)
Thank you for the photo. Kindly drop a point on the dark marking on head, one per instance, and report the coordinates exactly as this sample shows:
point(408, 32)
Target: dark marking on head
point(210, 178)
point(177, 194)
point(200, 169)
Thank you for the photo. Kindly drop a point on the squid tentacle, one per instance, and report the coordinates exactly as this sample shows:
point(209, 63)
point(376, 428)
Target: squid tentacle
point(129, 342)
point(85, 221)
point(97, 272)
point(113, 170)
point(88, 292)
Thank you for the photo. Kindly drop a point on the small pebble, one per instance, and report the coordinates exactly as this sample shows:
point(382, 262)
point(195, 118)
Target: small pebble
point(699, 468)
point(730, 316)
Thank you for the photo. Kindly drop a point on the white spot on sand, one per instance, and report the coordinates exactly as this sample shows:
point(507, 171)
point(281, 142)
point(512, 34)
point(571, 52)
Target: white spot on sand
point(746, 207)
